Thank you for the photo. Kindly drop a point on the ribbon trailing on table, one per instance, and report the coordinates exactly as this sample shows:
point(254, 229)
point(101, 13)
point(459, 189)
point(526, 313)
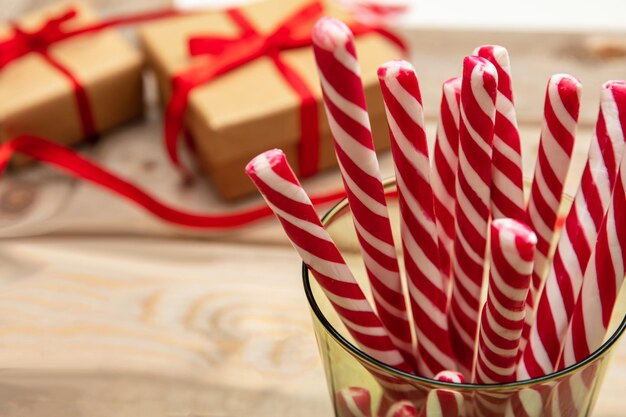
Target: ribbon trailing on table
point(69, 161)
point(231, 53)
point(51, 31)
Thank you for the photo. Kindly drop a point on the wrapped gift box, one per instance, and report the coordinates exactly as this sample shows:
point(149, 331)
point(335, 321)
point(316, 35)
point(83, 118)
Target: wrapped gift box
point(252, 108)
point(39, 98)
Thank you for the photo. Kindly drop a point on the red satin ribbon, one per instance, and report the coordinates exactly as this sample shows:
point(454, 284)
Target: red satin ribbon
point(67, 160)
point(51, 32)
point(230, 53)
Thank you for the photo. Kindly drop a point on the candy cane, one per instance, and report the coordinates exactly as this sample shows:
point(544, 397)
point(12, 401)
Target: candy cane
point(354, 402)
point(527, 402)
point(428, 296)
point(478, 96)
point(580, 232)
point(274, 178)
point(443, 402)
point(507, 185)
point(401, 409)
point(443, 174)
point(602, 281)
point(571, 396)
point(555, 151)
point(344, 99)
point(512, 248)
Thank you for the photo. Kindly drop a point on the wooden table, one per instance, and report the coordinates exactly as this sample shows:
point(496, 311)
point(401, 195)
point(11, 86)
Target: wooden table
point(112, 313)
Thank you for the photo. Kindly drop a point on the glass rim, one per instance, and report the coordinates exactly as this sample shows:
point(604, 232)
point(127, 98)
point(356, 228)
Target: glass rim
point(355, 351)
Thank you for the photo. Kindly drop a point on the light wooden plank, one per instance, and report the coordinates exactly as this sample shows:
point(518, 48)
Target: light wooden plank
point(139, 326)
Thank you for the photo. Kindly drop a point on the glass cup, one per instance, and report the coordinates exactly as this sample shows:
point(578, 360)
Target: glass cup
point(568, 393)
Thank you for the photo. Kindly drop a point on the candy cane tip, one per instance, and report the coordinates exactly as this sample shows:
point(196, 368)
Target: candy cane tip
point(473, 60)
point(330, 33)
point(614, 90)
point(267, 159)
point(481, 73)
point(516, 236)
point(619, 84)
point(394, 69)
point(450, 376)
point(565, 91)
point(499, 53)
point(473, 63)
point(454, 82)
point(613, 98)
point(518, 228)
point(566, 82)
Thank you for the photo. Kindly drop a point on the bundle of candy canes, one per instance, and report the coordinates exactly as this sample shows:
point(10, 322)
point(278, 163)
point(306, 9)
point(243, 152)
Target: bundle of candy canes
point(452, 203)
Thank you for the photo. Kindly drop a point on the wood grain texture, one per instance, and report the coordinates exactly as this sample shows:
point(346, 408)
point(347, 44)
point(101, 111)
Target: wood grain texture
point(199, 329)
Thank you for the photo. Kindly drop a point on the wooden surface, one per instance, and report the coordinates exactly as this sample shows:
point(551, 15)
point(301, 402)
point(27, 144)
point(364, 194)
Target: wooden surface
point(105, 311)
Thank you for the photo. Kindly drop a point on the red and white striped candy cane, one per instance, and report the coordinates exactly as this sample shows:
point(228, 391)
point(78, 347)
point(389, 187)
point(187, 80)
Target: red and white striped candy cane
point(450, 376)
point(555, 152)
point(274, 178)
point(512, 249)
point(443, 174)
point(402, 408)
point(428, 296)
point(354, 402)
point(602, 281)
point(556, 304)
point(444, 402)
point(511, 265)
point(507, 184)
point(344, 99)
point(527, 402)
point(478, 95)
point(571, 396)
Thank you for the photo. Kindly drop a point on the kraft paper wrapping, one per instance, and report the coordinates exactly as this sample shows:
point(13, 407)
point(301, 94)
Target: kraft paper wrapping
point(38, 99)
point(251, 109)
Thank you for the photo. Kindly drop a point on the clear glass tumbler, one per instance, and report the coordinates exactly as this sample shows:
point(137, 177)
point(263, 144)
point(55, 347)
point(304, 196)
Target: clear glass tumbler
point(568, 393)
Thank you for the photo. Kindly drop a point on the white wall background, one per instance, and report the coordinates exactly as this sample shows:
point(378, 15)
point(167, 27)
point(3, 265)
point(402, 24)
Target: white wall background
point(578, 15)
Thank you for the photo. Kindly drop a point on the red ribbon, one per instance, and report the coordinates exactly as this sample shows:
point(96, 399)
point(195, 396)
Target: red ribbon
point(230, 53)
point(67, 160)
point(51, 32)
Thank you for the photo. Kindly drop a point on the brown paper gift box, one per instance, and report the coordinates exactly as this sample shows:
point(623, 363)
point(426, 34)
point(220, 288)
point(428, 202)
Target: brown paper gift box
point(38, 99)
point(252, 108)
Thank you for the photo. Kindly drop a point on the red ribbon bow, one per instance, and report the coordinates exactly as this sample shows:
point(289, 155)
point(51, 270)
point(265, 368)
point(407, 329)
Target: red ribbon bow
point(38, 41)
point(229, 53)
point(51, 32)
point(294, 32)
point(23, 42)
